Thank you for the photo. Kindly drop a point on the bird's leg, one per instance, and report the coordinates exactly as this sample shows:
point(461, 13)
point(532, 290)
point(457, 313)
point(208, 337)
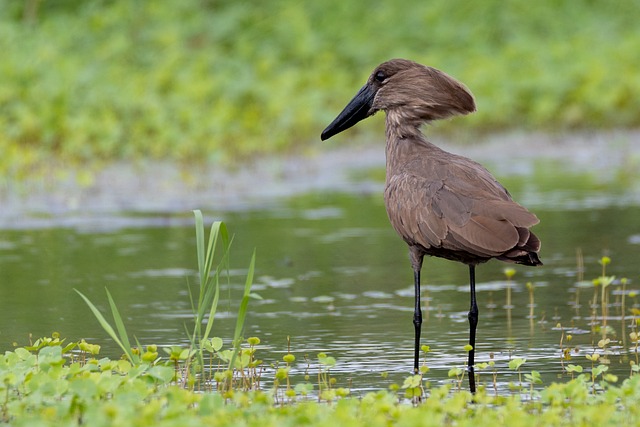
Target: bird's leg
point(473, 323)
point(417, 321)
point(416, 255)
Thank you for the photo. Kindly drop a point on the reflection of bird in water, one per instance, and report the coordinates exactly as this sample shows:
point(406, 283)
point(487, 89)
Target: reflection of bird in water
point(441, 204)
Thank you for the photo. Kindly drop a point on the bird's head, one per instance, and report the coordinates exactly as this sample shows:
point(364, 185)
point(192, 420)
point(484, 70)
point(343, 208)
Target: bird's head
point(415, 92)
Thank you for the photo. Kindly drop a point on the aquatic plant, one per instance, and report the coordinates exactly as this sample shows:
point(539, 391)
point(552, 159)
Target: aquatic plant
point(49, 386)
point(189, 362)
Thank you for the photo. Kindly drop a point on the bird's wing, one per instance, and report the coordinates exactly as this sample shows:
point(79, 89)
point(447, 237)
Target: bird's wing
point(459, 209)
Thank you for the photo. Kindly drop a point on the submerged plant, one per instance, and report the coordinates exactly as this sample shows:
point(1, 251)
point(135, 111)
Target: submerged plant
point(514, 365)
point(412, 387)
point(282, 374)
point(635, 339)
point(458, 374)
point(532, 305)
point(425, 350)
point(325, 381)
point(604, 281)
point(509, 272)
point(573, 369)
point(565, 352)
point(533, 378)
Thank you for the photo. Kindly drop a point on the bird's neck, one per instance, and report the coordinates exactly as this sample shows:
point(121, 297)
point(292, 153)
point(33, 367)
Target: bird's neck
point(401, 124)
point(404, 140)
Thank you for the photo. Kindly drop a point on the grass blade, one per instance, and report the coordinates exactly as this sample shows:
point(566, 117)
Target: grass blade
point(213, 294)
point(199, 240)
point(212, 311)
point(106, 326)
point(122, 331)
point(242, 311)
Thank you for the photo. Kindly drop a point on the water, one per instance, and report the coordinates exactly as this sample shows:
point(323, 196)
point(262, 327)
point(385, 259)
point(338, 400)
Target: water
point(335, 278)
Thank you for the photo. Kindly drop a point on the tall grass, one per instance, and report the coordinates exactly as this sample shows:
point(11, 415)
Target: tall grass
point(204, 306)
point(209, 289)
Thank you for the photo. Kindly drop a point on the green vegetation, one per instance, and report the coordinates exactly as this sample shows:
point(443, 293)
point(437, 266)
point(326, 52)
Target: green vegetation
point(204, 312)
point(48, 384)
point(218, 80)
point(51, 381)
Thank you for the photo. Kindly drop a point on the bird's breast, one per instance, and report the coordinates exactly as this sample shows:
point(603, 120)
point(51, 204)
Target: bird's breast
point(406, 208)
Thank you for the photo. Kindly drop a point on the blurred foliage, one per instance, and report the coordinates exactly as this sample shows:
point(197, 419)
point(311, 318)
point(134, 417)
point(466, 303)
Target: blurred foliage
point(218, 80)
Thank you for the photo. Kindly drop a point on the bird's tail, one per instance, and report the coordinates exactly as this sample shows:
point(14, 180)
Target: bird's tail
point(526, 253)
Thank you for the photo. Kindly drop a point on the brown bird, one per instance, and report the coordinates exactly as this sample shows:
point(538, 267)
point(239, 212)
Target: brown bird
point(441, 204)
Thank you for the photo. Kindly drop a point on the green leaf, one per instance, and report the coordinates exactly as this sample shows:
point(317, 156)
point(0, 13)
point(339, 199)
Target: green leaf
point(533, 377)
point(515, 364)
point(412, 381)
point(574, 368)
point(122, 331)
point(328, 361)
point(455, 372)
point(163, 373)
point(303, 388)
point(84, 388)
point(242, 311)
point(216, 343)
point(199, 240)
point(23, 354)
point(107, 327)
point(599, 370)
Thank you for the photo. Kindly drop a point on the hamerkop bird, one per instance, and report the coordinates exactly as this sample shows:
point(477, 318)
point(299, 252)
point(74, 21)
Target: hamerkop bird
point(441, 204)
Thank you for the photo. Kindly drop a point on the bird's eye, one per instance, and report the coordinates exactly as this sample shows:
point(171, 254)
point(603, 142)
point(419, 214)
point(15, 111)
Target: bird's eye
point(380, 76)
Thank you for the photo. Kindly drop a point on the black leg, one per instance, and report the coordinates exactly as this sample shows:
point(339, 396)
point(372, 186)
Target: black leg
point(417, 321)
point(473, 323)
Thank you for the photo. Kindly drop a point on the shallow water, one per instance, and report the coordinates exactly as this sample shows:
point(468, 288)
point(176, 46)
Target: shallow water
point(335, 278)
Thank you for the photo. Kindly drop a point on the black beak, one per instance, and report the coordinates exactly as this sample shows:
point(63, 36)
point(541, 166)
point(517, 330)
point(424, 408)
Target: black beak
point(359, 108)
